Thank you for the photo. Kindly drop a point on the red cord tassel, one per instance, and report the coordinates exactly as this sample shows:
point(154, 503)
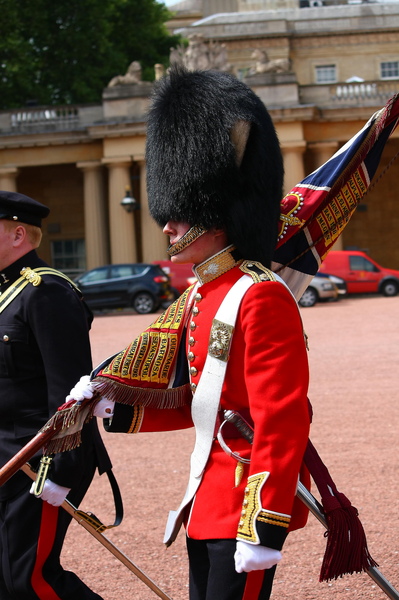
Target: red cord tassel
point(346, 550)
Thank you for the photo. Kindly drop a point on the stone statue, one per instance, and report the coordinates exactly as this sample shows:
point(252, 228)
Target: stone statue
point(218, 56)
point(264, 65)
point(159, 71)
point(133, 75)
point(200, 54)
point(177, 55)
point(197, 57)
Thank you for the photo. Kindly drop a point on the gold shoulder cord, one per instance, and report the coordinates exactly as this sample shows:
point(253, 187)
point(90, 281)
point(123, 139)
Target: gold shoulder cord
point(34, 275)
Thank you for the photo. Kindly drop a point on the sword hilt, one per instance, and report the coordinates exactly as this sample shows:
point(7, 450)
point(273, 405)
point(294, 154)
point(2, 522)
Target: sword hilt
point(45, 463)
point(240, 423)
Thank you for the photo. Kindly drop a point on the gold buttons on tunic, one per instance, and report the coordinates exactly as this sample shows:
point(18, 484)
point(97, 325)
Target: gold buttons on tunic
point(191, 356)
point(6, 338)
point(191, 341)
point(193, 387)
point(193, 371)
point(193, 326)
point(198, 297)
point(195, 311)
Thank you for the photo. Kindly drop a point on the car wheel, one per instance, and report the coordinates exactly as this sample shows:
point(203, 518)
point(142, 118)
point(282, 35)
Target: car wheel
point(143, 303)
point(309, 297)
point(389, 288)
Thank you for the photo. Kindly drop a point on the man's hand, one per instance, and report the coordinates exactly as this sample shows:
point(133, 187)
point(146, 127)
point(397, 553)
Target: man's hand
point(250, 557)
point(82, 389)
point(104, 409)
point(52, 493)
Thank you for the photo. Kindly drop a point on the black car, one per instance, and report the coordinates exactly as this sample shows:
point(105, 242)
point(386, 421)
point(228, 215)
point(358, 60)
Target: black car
point(141, 286)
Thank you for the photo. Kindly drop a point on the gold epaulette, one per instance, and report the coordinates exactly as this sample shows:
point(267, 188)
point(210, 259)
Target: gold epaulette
point(34, 276)
point(257, 271)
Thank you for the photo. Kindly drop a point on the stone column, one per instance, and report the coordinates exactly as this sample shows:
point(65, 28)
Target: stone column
point(321, 152)
point(8, 179)
point(121, 224)
point(95, 211)
point(293, 164)
point(154, 242)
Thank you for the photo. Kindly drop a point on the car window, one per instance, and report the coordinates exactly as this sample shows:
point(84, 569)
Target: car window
point(94, 275)
point(118, 271)
point(359, 263)
point(140, 269)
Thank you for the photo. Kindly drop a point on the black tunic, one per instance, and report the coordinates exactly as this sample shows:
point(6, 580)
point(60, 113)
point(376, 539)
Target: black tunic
point(44, 350)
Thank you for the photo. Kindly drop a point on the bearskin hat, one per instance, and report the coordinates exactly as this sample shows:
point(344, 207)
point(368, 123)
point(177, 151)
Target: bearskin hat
point(213, 159)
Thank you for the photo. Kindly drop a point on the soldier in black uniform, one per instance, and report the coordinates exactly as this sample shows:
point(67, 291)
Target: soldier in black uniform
point(44, 349)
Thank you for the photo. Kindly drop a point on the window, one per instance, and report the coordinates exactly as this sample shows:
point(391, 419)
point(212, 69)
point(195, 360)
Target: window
point(95, 275)
point(69, 256)
point(326, 74)
point(119, 271)
point(359, 263)
point(390, 69)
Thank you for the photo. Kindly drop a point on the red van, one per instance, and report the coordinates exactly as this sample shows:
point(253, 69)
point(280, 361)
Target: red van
point(361, 273)
point(181, 276)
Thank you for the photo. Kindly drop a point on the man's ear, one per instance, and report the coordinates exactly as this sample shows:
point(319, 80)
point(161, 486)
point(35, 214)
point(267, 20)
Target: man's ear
point(19, 236)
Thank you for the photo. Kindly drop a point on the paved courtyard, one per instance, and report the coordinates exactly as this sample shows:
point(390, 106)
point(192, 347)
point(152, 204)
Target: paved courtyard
point(354, 355)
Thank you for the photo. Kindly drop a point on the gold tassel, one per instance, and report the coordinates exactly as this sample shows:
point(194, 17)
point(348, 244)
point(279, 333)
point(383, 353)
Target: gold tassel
point(239, 472)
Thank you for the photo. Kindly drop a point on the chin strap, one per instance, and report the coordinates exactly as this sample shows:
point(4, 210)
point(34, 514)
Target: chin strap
point(188, 238)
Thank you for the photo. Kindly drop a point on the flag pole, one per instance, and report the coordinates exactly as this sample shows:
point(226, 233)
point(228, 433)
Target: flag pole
point(25, 454)
point(66, 417)
point(95, 528)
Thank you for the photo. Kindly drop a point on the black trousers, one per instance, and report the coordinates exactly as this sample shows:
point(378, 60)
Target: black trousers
point(213, 575)
point(32, 533)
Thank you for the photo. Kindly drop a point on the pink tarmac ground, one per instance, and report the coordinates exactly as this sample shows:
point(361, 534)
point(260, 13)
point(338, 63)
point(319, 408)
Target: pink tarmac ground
point(354, 356)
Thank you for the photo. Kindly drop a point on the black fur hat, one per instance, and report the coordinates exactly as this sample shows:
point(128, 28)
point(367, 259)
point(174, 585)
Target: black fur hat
point(213, 159)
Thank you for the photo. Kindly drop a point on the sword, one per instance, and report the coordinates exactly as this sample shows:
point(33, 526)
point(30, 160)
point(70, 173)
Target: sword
point(89, 522)
point(311, 503)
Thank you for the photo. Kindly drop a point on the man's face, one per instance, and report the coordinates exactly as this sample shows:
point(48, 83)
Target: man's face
point(208, 244)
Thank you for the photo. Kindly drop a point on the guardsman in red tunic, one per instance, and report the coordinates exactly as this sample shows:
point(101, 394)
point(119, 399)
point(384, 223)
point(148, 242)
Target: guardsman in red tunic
point(234, 342)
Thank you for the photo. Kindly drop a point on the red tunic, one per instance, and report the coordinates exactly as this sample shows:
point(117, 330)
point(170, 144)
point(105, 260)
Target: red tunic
point(267, 381)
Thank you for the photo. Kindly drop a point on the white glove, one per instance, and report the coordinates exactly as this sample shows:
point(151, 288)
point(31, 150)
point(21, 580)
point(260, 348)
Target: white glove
point(52, 493)
point(250, 557)
point(82, 389)
point(104, 409)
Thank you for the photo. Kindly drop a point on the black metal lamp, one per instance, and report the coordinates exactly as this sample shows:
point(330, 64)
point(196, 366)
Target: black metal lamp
point(129, 203)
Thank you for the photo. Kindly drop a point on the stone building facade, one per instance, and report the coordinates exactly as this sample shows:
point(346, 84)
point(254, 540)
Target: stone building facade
point(321, 71)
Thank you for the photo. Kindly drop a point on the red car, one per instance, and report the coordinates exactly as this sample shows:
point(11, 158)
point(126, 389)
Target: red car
point(181, 276)
point(361, 273)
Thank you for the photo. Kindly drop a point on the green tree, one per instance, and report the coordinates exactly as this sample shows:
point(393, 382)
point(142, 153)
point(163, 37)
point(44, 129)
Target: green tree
point(55, 52)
